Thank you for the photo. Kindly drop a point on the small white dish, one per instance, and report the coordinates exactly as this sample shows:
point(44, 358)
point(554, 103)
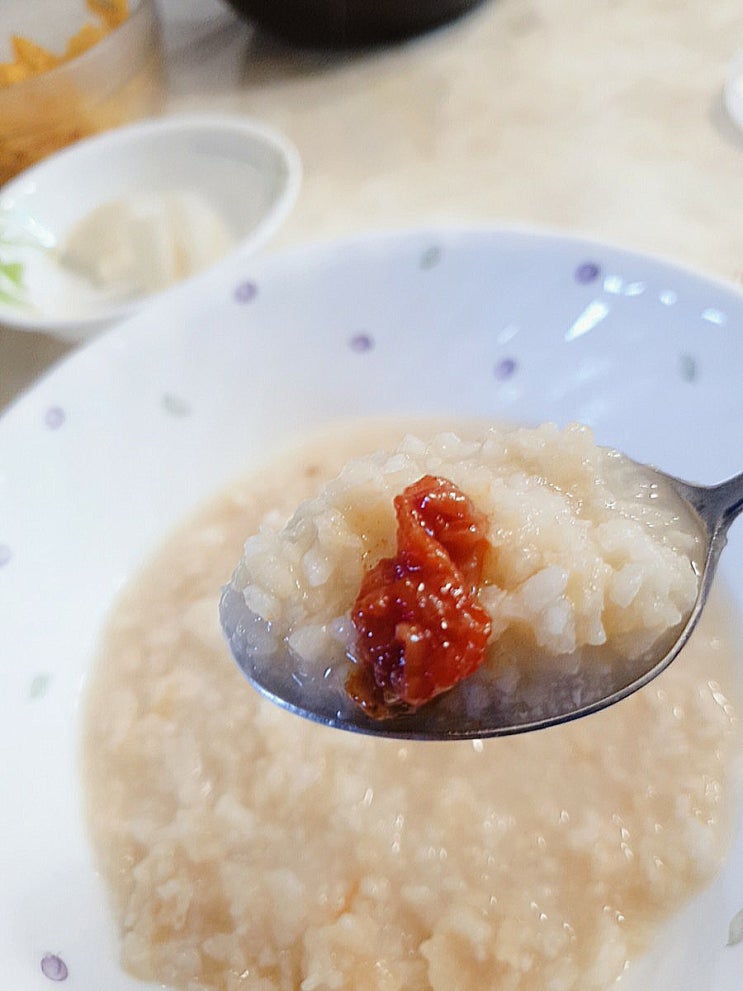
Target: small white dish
point(248, 174)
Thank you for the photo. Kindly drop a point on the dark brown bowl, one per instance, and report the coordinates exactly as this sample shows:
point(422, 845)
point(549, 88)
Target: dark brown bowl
point(349, 23)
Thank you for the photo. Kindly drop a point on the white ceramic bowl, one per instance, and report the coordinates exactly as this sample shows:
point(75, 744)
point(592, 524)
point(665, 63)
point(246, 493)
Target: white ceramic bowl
point(105, 456)
point(247, 173)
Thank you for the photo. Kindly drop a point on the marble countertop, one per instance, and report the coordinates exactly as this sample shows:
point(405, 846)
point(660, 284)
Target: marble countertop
point(603, 118)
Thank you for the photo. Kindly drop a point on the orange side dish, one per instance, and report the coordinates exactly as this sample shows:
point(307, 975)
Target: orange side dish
point(50, 99)
point(30, 59)
point(420, 627)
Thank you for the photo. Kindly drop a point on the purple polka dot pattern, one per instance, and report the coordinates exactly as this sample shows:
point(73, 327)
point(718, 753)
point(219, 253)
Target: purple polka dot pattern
point(5, 555)
point(54, 967)
point(246, 292)
point(361, 343)
point(505, 369)
point(54, 417)
point(587, 272)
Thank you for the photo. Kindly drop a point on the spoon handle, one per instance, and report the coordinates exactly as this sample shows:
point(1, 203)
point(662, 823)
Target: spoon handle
point(718, 505)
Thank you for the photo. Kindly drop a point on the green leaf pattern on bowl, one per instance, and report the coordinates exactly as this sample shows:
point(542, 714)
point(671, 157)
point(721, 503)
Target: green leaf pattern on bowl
point(12, 287)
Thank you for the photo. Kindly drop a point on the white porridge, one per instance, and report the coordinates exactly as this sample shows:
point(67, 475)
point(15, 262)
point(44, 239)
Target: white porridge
point(248, 850)
point(587, 558)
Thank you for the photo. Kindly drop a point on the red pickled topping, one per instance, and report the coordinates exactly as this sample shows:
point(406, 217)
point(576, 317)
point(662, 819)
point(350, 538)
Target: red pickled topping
point(420, 627)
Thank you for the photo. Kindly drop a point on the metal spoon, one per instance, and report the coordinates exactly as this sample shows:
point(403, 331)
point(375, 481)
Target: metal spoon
point(463, 713)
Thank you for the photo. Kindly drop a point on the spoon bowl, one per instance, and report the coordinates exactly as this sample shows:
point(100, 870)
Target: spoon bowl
point(470, 711)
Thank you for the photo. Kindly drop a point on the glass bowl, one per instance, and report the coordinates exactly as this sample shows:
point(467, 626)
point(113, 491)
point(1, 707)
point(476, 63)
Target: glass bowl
point(119, 79)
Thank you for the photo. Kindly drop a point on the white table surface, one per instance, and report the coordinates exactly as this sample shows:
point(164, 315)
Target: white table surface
point(601, 117)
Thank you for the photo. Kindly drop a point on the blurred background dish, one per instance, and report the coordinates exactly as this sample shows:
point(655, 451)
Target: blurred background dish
point(342, 23)
point(70, 69)
point(92, 232)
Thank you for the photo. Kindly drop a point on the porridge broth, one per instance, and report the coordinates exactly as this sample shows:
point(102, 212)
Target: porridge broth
point(248, 850)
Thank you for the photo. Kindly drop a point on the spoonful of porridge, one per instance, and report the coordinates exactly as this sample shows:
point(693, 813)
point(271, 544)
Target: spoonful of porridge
point(459, 589)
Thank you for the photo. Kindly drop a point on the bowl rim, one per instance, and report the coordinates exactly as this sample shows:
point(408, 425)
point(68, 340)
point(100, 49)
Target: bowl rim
point(110, 143)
